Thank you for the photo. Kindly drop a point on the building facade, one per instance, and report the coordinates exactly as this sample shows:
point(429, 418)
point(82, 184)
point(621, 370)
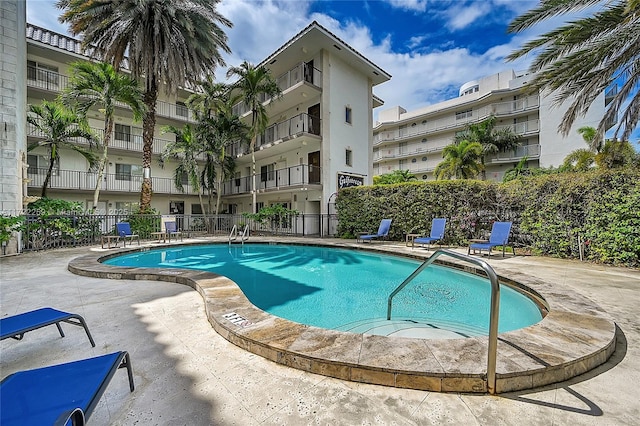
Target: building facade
point(414, 140)
point(319, 130)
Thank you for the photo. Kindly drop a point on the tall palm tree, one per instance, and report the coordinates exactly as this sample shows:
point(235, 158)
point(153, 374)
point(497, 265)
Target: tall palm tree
point(60, 128)
point(585, 57)
point(491, 139)
point(219, 132)
point(185, 150)
point(254, 84)
point(98, 84)
point(210, 97)
point(591, 138)
point(167, 42)
point(461, 161)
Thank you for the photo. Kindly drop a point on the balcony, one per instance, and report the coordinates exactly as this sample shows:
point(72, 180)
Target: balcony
point(119, 141)
point(275, 180)
point(401, 152)
point(54, 82)
point(297, 126)
point(523, 129)
point(302, 74)
point(498, 109)
point(74, 180)
point(517, 154)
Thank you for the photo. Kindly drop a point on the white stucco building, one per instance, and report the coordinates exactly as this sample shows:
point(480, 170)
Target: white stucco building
point(414, 140)
point(320, 129)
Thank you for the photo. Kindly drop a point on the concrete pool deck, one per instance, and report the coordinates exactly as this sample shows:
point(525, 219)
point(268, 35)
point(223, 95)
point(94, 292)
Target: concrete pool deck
point(188, 374)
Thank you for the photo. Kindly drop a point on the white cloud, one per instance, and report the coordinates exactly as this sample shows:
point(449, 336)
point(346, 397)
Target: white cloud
point(418, 78)
point(462, 16)
point(412, 5)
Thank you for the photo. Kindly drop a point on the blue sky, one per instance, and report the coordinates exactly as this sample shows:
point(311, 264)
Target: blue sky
point(430, 47)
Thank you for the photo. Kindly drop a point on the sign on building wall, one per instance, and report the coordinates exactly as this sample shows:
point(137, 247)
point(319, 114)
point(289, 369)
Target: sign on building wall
point(346, 180)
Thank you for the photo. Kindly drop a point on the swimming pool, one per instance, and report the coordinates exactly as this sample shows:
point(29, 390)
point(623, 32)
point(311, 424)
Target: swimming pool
point(340, 288)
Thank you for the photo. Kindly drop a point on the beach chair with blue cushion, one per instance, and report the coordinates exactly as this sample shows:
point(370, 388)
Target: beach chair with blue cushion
point(60, 394)
point(436, 234)
point(17, 325)
point(172, 229)
point(124, 231)
point(499, 237)
point(383, 232)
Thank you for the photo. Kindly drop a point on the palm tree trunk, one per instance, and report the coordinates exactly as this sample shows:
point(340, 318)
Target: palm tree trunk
point(48, 177)
point(108, 126)
point(148, 126)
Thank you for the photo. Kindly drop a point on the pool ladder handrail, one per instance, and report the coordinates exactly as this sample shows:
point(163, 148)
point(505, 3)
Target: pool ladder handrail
point(495, 305)
point(244, 236)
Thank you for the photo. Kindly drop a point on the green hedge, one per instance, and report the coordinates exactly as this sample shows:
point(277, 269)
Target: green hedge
point(549, 212)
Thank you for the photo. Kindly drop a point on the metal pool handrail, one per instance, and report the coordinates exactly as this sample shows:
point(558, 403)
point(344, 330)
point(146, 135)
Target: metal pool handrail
point(244, 236)
point(495, 306)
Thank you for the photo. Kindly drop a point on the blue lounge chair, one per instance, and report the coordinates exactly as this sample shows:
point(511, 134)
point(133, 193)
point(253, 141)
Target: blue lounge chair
point(172, 229)
point(17, 325)
point(59, 394)
point(437, 233)
point(499, 237)
point(124, 231)
point(383, 232)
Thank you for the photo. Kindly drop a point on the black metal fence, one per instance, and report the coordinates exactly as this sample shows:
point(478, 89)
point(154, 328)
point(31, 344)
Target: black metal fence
point(42, 232)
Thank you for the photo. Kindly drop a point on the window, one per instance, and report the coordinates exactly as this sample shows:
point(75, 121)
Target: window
point(267, 172)
point(181, 109)
point(237, 178)
point(463, 114)
point(259, 206)
point(127, 171)
point(349, 157)
point(126, 207)
point(413, 160)
point(347, 115)
point(424, 158)
point(196, 209)
point(424, 140)
point(123, 133)
point(424, 122)
point(46, 74)
point(39, 164)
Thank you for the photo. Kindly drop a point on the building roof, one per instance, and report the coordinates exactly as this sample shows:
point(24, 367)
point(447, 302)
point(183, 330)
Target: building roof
point(315, 37)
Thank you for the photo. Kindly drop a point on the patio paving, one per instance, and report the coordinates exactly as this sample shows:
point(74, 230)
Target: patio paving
point(186, 373)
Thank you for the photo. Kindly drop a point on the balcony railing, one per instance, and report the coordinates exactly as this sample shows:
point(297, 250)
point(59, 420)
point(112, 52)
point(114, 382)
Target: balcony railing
point(286, 178)
point(55, 82)
point(301, 72)
point(431, 126)
point(295, 126)
point(529, 151)
point(122, 141)
point(112, 182)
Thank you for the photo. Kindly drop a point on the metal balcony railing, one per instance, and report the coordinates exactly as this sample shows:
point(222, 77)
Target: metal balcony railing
point(113, 182)
point(430, 126)
point(293, 176)
point(51, 81)
point(301, 72)
point(297, 125)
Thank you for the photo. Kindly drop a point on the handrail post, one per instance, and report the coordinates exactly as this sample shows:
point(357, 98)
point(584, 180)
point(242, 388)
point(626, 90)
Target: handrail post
point(493, 315)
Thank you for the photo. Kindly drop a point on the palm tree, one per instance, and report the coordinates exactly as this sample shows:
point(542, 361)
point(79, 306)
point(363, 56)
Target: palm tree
point(585, 57)
point(591, 138)
point(461, 160)
point(185, 150)
point(210, 97)
point(616, 154)
point(60, 128)
point(254, 85)
point(219, 132)
point(167, 42)
point(579, 160)
point(397, 176)
point(98, 84)
point(491, 139)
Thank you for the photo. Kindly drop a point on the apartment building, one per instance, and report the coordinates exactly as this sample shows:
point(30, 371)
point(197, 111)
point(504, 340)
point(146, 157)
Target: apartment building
point(320, 134)
point(414, 140)
point(319, 137)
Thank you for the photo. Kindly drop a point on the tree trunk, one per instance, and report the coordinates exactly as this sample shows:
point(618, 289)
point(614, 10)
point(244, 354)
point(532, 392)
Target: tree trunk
point(148, 126)
point(108, 127)
point(48, 177)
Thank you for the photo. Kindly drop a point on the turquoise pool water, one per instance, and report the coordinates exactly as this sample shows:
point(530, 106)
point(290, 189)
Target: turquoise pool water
point(333, 288)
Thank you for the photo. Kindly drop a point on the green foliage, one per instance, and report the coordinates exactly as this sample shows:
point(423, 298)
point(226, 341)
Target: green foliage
point(550, 212)
point(145, 223)
point(9, 225)
point(275, 215)
point(52, 223)
point(397, 176)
